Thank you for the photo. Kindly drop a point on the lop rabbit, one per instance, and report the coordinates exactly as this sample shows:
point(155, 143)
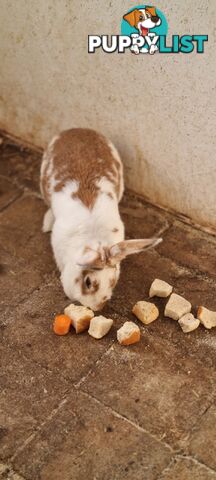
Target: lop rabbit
point(82, 184)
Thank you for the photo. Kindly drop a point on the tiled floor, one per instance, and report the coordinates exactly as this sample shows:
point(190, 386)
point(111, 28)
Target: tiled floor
point(74, 408)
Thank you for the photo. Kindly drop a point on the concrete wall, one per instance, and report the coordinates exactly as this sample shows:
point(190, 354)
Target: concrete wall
point(159, 110)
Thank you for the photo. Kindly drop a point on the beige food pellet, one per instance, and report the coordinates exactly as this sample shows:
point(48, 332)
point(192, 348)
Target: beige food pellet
point(188, 323)
point(206, 317)
point(128, 334)
point(146, 312)
point(100, 326)
point(176, 307)
point(159, 288)
point(80, 317)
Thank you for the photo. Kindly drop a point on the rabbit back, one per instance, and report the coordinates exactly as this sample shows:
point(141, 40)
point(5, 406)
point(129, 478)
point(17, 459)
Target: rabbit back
point(87, 159)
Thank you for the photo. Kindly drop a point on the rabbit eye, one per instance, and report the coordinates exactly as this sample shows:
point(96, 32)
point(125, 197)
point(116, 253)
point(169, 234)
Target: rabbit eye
point(88, 282)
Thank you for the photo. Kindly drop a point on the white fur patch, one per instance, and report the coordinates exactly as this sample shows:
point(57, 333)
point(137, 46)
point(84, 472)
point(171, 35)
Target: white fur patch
point(106, 186)
point(65, 206)
point(48, 221)
point(72, 186)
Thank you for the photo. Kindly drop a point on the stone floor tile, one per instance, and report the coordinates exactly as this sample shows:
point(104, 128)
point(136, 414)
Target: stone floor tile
point(153, 385)
point(85, 440)
point(29, 329)
point(8, 192)
point(21, 235)
point(26, 257)
point(17, 281)
point(190, 248)
point(27, 398)
point(7, 473)
point(187, 469)
point(203, 440)
point(21, 165)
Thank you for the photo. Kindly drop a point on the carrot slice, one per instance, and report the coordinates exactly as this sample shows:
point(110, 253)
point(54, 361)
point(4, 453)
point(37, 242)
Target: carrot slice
point(61, 325)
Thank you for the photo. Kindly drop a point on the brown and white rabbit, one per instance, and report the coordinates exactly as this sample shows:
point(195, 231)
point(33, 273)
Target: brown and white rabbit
point(82, 183)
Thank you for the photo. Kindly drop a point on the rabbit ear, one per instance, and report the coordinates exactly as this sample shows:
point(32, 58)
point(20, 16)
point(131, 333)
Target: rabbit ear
point(128, 247)
point(93, 259)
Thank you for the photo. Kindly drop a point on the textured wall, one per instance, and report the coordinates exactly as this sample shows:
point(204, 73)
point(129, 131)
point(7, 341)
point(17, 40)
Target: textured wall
point(159, 110)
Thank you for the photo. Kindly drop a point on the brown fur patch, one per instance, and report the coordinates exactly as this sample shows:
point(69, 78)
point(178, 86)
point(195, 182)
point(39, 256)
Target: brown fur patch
point(83, 155)
point(59, 186)
point(95, 286)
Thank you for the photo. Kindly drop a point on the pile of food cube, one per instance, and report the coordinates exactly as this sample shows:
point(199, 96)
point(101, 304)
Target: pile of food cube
point(177, 308)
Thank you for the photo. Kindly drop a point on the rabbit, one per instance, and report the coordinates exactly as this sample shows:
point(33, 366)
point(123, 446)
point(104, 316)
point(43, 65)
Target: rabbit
point(82, 184)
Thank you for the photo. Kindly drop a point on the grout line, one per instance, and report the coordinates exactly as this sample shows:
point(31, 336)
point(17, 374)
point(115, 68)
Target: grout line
point(9, 179)
point(194, 427)
point(98, 361)
point(57, 409)
point(33, 193)
point(46, 283)
point(39, 428)
point(183, 457)
point(167, 468)
point(197, 462)
point(10, 202)
point(24, 193)
point(14, 181)
point(127, 420)
point(71, 382)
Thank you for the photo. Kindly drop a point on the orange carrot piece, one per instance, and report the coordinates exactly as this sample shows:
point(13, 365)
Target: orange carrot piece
point(61, 325)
